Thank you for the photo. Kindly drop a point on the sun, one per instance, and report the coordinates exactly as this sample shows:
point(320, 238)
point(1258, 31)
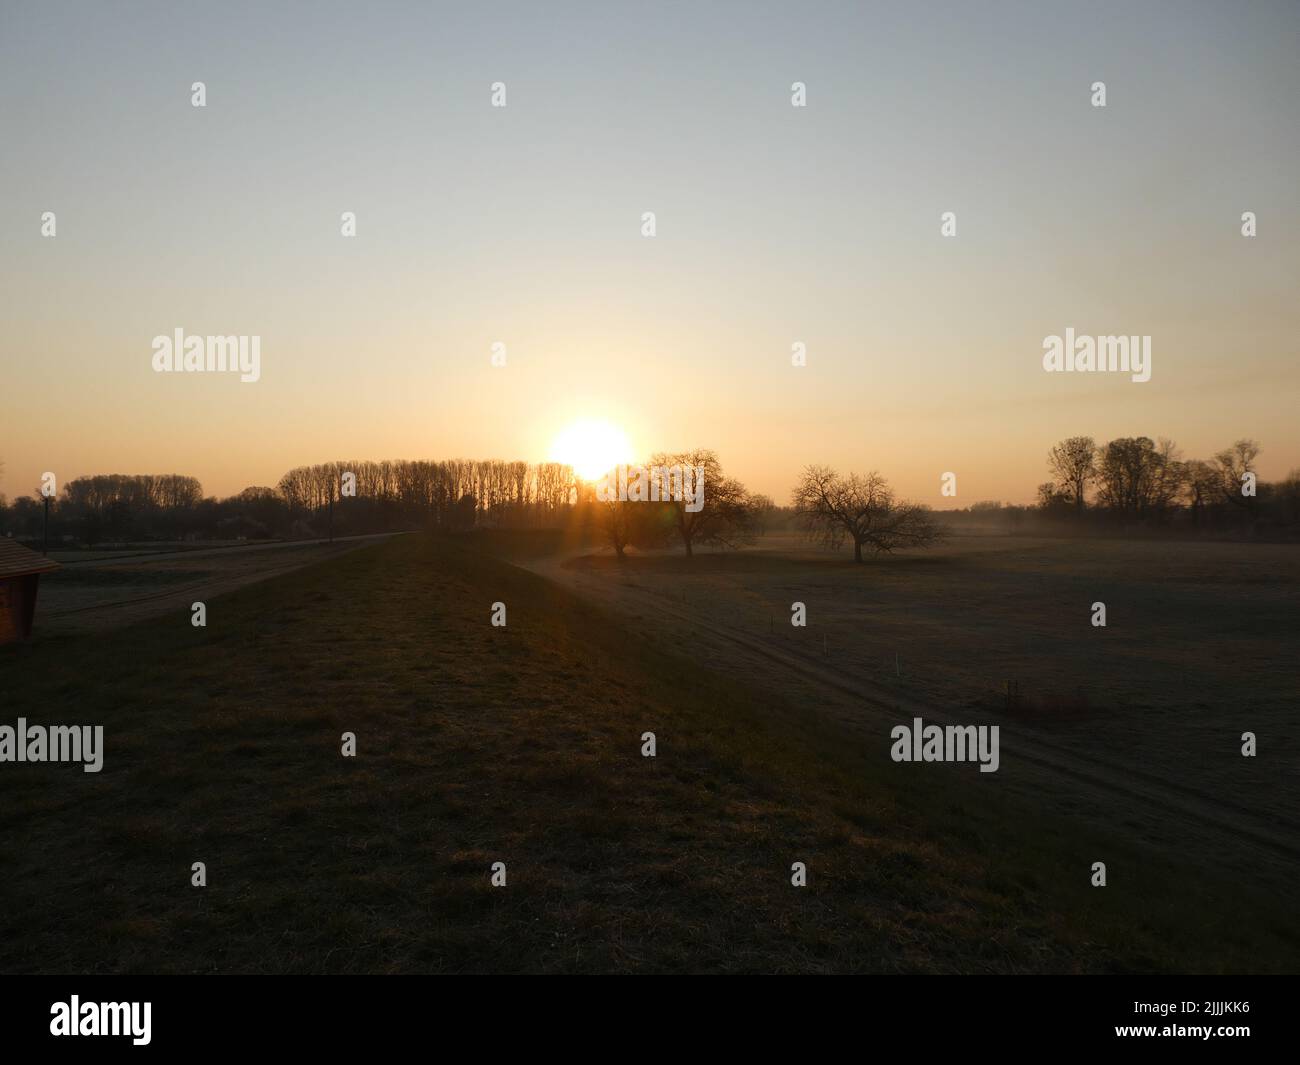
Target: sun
point(592, 448)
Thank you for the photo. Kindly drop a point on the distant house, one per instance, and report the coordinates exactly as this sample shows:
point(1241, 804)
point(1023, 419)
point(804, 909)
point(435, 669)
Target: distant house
point(20, 569)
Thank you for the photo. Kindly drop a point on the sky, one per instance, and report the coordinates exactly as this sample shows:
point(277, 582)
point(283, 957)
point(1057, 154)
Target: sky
point(522, 225)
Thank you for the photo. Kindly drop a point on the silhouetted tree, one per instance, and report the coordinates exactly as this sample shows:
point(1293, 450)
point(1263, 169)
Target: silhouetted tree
point(1201, 482)
point(628, 523)
point(1136, 476)
point(1233, 465)
point(1073, 464)
point(1052, 500)
point(727, 517)
point(863, 509)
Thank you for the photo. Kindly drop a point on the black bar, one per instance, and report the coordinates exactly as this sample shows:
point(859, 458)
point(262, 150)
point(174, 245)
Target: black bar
point(880, 1014)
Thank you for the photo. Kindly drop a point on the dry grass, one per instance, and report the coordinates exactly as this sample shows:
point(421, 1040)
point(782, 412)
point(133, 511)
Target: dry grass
point(518, 745)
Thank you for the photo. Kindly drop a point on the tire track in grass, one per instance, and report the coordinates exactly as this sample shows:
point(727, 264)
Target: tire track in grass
point(1278, 835)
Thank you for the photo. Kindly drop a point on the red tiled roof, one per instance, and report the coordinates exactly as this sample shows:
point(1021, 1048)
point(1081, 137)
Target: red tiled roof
point(16, 560)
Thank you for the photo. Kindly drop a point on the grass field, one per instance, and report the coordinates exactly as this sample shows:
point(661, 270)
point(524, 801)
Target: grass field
point(1136, 726)
point(522, 745)
point(106, 590)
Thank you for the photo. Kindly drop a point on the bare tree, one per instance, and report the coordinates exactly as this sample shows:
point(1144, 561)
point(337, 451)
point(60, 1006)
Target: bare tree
point(1200, 486)
point(863, 509)
point(1233, 464)
point(765, 512)
point(1136, 476)
point(727, 517)
point(1052, 500)
point(629, 523)
point(1073, 465)
point(1168, 475)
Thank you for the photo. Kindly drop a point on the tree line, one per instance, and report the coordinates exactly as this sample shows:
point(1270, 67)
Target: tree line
point(345, 498)
point(1149, 481)
point(308, 501)
point(1126, 480)
point(439, 493)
